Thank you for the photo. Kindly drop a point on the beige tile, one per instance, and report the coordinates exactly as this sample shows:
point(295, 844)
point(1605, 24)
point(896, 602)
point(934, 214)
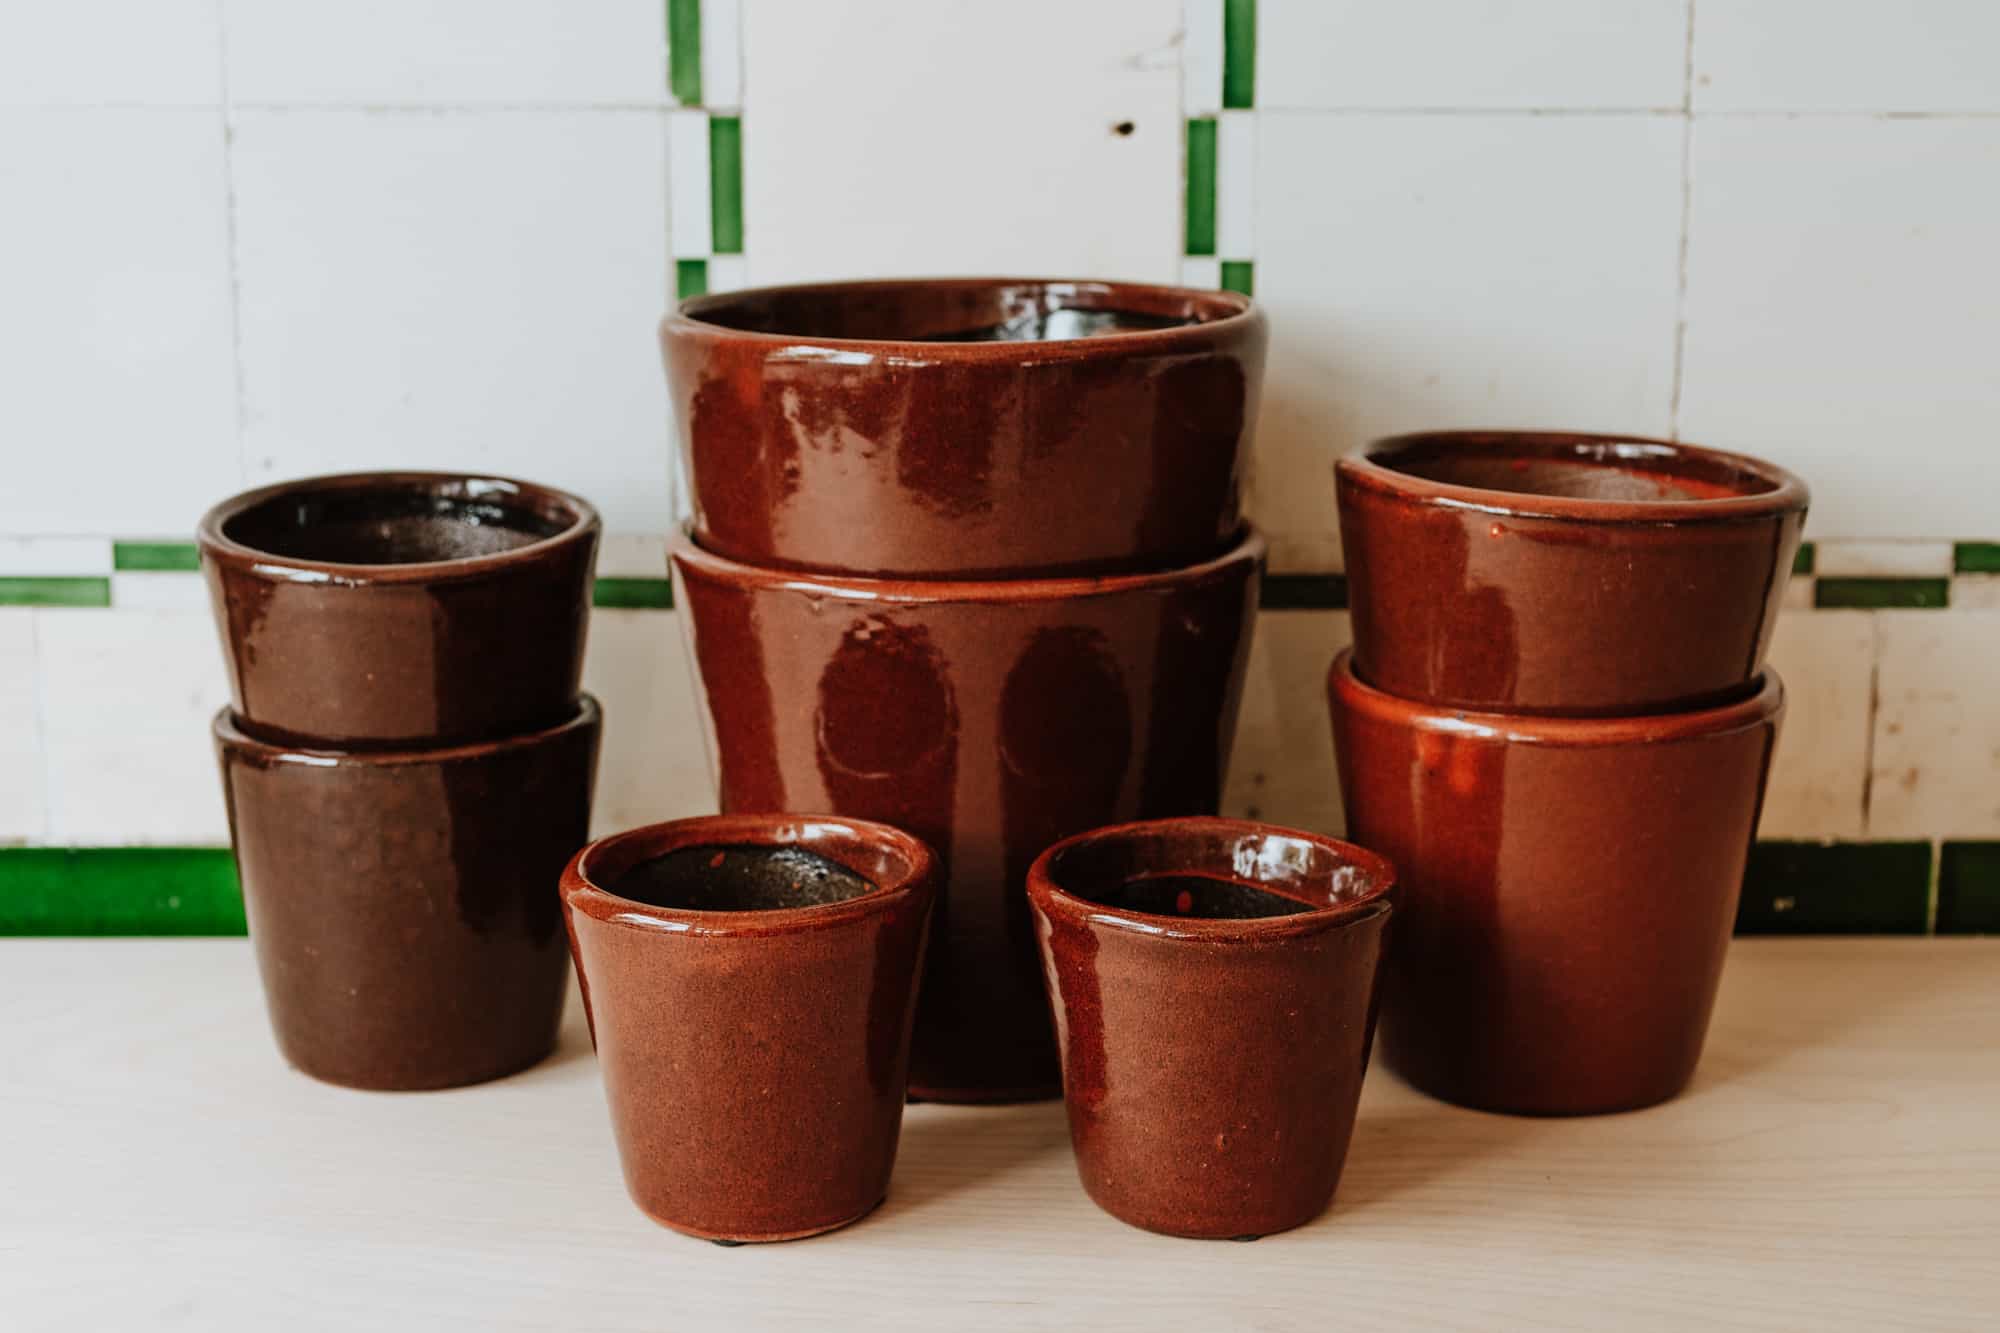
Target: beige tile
point(1975, 592)
point(1827, 661)
point(1882, 559)
point(652, 765)
point(1282, 768)
point(23, 813)
point(1937, 726)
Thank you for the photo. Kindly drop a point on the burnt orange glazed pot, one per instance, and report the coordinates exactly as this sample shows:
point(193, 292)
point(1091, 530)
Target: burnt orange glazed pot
point(401, 902)
point(1530, 572)
point(1568, 887)
point(750, 981)
point(988, 718)
point(966, 427)
point(400, 609)
point(1214, 985)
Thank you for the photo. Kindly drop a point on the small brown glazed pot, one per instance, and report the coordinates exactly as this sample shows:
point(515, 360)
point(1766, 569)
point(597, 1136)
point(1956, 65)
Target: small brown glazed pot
point(750, 981)
point(1531, 572)
point(966, 427)
point(400, 609)
point(989, 719)
point(1214, 986)
point(1567, 889)
point(402, 904)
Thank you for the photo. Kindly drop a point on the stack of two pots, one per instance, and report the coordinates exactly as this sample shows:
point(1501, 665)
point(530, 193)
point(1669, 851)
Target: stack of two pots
point(967, 557)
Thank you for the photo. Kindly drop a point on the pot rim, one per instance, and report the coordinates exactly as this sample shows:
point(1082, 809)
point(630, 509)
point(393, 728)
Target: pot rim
point(1311, 918)
point(227, 729)
point(1786, 494)
point(583, 894)
point(210, 535)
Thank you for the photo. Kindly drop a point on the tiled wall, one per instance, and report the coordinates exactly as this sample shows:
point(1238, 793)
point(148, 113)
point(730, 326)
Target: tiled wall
point(249, 239)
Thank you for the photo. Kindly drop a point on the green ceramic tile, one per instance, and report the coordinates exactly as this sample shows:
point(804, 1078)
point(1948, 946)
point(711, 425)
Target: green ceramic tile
point(119, 891)
point(1976, 558)
point(1969, 888)
point(725, 184)
point(634, 594)
point(1239, 54)
point(690, 277)
point(55, 592)
point(684, 50)
point(1873, 594)
point(1237, 276)
point(1841, 888)
point(155, 557)
point(1304, 592)
point(1201, 187)
point(1802, 559)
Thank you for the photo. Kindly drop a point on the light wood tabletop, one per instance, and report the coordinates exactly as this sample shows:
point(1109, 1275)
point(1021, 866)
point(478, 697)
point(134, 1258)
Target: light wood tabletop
point(1836, 1164)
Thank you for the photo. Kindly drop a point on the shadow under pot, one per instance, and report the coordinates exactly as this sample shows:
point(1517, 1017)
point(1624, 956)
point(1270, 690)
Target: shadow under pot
point(1214, 986)
point(1537, 572)
point(989, 719)
point(400, 609)
point(750, 981)
point(402, 903)
point(966, 427)
point(1568, 889)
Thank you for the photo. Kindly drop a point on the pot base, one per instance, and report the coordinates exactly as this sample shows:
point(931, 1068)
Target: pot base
point(731, 1240)
point(429, 1082)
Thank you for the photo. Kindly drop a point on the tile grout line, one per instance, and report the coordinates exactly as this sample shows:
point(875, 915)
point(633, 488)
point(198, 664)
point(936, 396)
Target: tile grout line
point(1874, 713)
point(1687, 215)
point(228, 109)
point(42, 725)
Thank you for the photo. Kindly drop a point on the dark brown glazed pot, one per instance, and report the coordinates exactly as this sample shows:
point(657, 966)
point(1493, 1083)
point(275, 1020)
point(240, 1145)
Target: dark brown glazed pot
point(402, 904)
point(1214, 986)
point(1567, 889)
point(400, 609)
point(752, 1012)
point(966, 427)
point(1537, 572)
point(989, 719)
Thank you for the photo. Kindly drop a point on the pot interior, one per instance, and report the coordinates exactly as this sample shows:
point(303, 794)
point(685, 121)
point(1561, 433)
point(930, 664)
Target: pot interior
point(394, 524)
point(719, 878)
point(1573, 467)
point(1209, 871)
point(962, 311)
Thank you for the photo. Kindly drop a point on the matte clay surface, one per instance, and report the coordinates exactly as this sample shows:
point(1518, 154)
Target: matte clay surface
point(1567, 889)
point(1212, 1061)
point(1564, 574)
point(754, 1058)
point(402, 905)
point(379, 610)
point(989, 719)
point(966, 428)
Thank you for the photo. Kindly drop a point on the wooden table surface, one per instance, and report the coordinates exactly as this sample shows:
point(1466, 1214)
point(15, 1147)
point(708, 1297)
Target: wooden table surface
point(1836, 1164)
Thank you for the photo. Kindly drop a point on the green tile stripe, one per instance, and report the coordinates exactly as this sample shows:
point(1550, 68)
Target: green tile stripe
point(634, 594)
point(1873, 594)
point(690, 277)
point(725, 184)
point(1304, 592)
point(1976, 558)
point(1201, 186)
point(119, 891)
point(1802, 560)
point(1237, 276)
point(1841, 888)
point(155, 557)
point(55, 592)
point(1239, 54)
point(1969, 888)
point(684, 50)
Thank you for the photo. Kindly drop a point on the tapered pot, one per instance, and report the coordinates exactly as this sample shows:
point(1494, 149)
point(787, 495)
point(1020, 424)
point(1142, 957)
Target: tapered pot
point(400, 609)
point(750, 981)
point(1568, 887)
point(1554, 573)
point(990, 719)
point(402, 904)
point(966, 427)
point(1214, 986)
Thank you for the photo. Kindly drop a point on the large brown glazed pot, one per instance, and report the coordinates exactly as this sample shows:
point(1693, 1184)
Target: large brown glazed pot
point(989, 719)
point(387, 609)
point(966, 427)
point(750, 981)
point(1564, 574)
point(1567, 889)
point(1214, 986)
point(402, 903)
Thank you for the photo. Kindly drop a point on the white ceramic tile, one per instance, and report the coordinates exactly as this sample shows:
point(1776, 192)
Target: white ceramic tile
point(1236, 185)
point(23, 557)
point(721, 53)
point(119, 411)
point(874, 144)
point(1882, 559)
point(690, 222)
point(448, 52)
point(652, 765)
point(127, 699)
point(727, 273)
point(1808, 55)
point(476, 290)
point(1827, 661)
point(1799, 592)
point(1843, 307)
point(1204, 272)
point(1282, 768)
point(23, 814)
point(94, 52)
point(158, 590)
point(1471, 53)
point(1975, 592)
point(1435, 271)
point(1201, 57)
point(632, 556)
point(1937, 726)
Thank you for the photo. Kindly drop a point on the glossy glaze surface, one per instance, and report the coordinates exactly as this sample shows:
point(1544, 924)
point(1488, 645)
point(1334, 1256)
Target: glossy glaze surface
point(1211, 1064)
point(400, 609)
point(968, 428)
point(754, 1060)
point(1564, 574)
point(1568, 887)
point(403, 905)
point(990, 719)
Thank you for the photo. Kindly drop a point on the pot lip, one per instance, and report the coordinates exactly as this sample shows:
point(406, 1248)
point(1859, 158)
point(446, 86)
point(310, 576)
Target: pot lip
point(1762, 705)
point(580, 893)
point(228, 732)
point(1787, 493)
point(216, 544)
point(1311, 919)
point(1244, 316)
point(1248, 550)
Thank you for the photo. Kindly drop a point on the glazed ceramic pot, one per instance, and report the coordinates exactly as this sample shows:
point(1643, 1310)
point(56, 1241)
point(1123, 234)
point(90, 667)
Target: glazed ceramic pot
point(400, 609)
point(1214, 986)
point(750, 981)
point(1531, 572)
point(1567, 889)
point(989, 719)
point(966, 427)
point(402, 903)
